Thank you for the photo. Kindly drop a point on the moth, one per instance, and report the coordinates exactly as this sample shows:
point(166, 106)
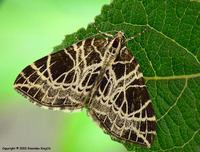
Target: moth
point(101, 75)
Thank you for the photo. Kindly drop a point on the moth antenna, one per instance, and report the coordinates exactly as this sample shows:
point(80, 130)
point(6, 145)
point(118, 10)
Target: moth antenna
point(137, 34)
point(105, 33)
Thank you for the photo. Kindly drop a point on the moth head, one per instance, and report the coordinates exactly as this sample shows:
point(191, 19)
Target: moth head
point(120, 34)
point(117, 42)
point(118, 39)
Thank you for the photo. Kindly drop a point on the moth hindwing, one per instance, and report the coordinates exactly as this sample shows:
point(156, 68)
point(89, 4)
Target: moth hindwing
point(102, 74)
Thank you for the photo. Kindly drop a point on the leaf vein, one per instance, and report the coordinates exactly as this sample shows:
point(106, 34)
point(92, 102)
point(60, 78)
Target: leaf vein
point(186, 82)
point(177, 44)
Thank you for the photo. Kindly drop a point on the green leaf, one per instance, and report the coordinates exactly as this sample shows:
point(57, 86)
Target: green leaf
point(169, 56)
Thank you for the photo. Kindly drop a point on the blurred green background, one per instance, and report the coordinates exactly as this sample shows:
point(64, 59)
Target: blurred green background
point(29, 29)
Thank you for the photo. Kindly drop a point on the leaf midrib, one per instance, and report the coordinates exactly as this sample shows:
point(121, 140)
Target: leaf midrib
point(173, 77)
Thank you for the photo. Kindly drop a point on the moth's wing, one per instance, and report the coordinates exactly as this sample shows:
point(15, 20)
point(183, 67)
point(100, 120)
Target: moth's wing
point(63, 80)
point(122, 107)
